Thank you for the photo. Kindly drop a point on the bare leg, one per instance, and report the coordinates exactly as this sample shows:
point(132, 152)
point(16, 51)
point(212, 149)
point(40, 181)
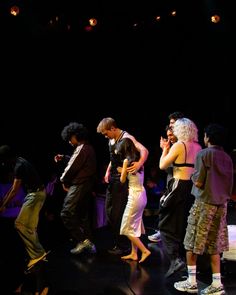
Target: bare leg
point(215, 263)
point(138, 243)
point(133, 255)
point(191, 258)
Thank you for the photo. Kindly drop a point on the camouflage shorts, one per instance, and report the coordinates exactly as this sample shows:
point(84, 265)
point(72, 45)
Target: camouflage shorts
point(207, 230)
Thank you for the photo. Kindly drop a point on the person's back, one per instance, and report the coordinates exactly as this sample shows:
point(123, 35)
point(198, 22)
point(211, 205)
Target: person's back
point(218, 184)
point(177, 200)
point(183, 152)
point(207, 231)
point(30, 177)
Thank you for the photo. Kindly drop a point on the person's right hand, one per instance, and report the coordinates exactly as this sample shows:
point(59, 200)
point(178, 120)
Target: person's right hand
point(106, 177)
point(164, 143)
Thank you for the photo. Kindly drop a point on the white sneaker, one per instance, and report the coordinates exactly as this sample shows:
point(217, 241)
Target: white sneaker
point(213, 290)
point(185, 286)
point(155, 237)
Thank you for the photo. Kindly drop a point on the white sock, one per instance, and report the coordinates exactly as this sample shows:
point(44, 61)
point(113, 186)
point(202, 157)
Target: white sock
point(192, 274)
point(216, 279)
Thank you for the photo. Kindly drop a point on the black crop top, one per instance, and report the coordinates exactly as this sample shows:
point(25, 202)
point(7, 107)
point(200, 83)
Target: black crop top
point(184, 164)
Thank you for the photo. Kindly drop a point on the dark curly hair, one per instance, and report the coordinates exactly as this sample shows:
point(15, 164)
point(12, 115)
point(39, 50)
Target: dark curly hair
point(176, 116)
point(126, 149)
point(74, 128)
point(217, 134)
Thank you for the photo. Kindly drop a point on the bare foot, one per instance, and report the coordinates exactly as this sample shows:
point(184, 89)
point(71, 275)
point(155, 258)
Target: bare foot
point(144, 255)
point(130, 256)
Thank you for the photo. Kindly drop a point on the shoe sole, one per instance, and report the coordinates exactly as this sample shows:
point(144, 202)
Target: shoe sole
point(216, 293)
point(154, 241)
point(188, 291)
point(43, 258)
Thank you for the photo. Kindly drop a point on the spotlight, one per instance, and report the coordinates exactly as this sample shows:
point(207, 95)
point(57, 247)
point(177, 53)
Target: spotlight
point(93, 22)
point(215, 18)
point(14, 10)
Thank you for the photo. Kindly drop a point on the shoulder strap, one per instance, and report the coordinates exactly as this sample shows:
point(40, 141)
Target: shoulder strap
point(120, 136)
point(185, 152)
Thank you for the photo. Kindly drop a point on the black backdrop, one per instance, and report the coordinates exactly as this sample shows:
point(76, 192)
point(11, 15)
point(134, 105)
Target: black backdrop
point(51, 78)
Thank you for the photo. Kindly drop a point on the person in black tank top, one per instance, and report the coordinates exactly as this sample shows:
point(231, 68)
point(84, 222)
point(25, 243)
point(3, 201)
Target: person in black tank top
point(117, 192)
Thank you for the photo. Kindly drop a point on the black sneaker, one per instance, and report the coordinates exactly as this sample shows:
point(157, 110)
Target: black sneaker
point(85, 246)
point(175, 265)
point(118, 251)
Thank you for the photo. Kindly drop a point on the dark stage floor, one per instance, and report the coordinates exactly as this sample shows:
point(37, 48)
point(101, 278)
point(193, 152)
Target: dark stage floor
point(96, 274)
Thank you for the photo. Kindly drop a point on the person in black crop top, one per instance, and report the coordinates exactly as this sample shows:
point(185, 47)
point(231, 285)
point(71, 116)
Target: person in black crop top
point(177, 200)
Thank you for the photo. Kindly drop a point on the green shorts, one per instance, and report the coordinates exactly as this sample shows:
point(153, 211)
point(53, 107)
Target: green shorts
point(207, 230)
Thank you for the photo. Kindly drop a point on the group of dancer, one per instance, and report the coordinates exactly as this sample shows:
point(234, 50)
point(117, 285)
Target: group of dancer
point(192, 211)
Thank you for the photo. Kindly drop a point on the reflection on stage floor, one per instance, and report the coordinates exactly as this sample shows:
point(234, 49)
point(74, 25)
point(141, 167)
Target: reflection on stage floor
point(96, 274)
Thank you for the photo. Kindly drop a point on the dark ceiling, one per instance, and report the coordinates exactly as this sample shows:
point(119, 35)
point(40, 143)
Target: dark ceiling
point(37, 18)
point(52, 74)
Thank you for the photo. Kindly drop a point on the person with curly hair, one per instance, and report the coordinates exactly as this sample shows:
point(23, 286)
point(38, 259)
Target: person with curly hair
point(78, 179)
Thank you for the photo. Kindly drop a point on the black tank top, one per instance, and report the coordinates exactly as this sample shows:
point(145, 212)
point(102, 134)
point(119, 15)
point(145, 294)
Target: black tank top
point(115, 159)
